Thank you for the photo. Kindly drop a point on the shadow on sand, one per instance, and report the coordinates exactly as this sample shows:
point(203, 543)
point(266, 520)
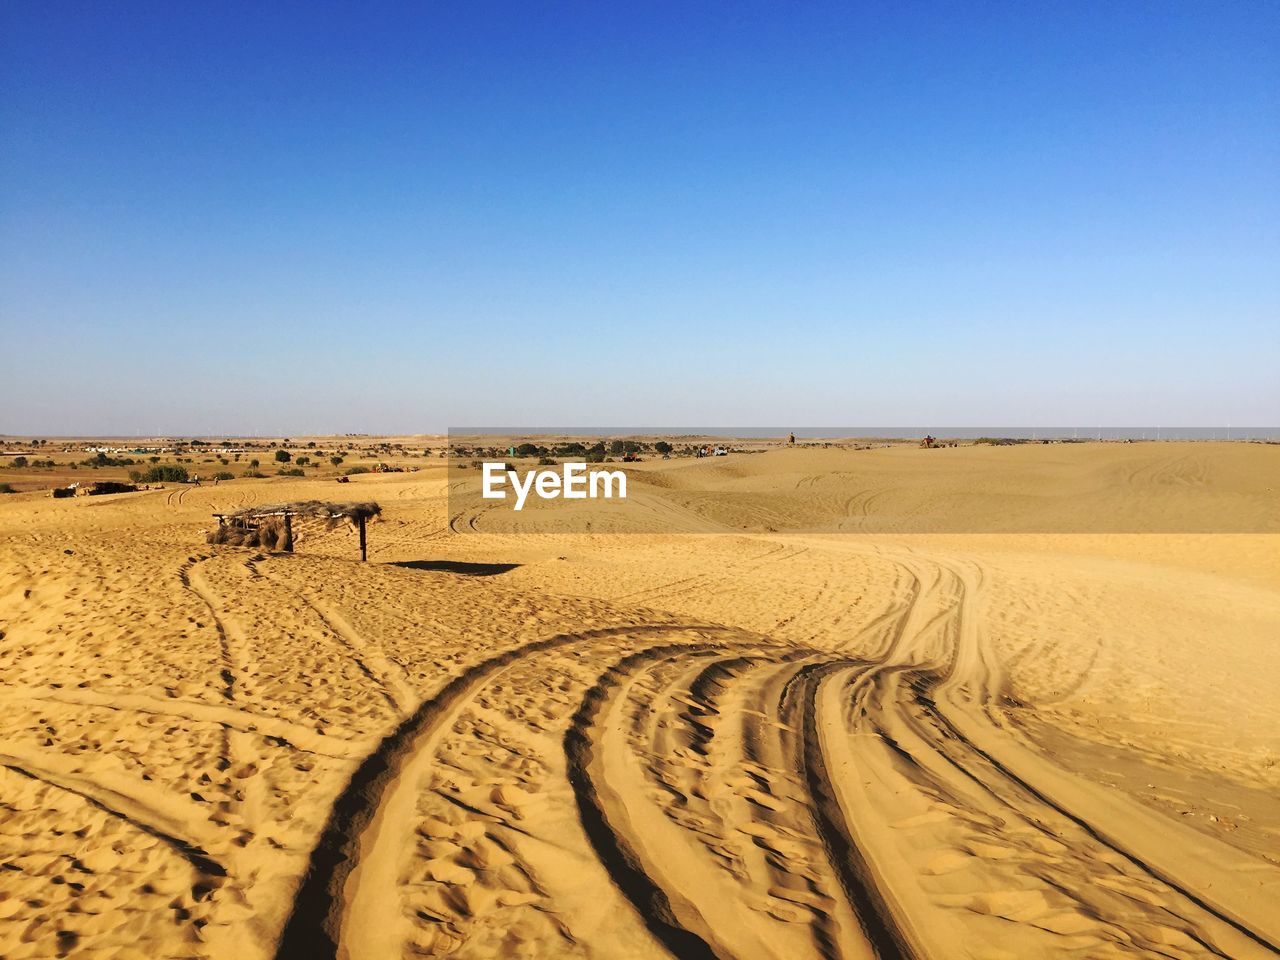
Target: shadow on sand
point(458, 566)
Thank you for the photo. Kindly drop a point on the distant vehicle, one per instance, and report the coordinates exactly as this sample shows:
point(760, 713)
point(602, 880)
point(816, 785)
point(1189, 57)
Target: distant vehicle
point(719, 452)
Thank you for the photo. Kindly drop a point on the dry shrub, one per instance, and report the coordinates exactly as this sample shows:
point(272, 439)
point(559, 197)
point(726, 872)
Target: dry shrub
point(269, 534)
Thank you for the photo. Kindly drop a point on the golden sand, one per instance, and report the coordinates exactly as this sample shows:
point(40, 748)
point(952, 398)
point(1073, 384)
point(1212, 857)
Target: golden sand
point(759, 744)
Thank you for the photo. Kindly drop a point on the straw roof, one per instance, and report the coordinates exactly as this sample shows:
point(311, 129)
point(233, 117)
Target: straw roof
point(310, 508)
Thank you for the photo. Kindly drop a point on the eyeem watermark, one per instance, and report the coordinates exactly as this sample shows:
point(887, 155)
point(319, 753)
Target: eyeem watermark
point(573, 482)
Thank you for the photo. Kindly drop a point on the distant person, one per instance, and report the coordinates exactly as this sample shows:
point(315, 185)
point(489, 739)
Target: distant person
point(196, 480)
point(791, 439)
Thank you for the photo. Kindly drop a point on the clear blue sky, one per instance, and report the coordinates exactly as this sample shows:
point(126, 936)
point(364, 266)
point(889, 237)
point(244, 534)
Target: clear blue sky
point(226, 217)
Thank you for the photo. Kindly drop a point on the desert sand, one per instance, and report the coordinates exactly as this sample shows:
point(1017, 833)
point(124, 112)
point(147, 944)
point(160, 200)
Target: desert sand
point(975, 741)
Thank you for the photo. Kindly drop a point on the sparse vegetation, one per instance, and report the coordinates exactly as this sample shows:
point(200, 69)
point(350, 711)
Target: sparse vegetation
point(102, 460)
point(7, 488)
point(166, 473)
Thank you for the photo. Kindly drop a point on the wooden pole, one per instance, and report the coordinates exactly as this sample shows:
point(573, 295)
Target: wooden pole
point(288, 533)
point(364, 554)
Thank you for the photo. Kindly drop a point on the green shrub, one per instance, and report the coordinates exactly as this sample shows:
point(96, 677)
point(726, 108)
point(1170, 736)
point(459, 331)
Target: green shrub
point(355, 470)
point(166, 473)
point(18, 463)
point(292, 472)
point(102, 460)
point(7, 488)
point(253, 474)
point(283, 456)
point(224, 475)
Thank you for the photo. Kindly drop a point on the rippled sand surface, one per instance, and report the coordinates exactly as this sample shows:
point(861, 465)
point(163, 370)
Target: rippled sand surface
point(496, 743)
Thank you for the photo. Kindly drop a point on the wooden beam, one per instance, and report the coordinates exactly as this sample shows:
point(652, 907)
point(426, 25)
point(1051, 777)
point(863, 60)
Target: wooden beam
point(288, 533)
point(364, 553)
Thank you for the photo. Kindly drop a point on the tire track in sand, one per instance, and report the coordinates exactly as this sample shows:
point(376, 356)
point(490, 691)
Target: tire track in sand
point(347, 903)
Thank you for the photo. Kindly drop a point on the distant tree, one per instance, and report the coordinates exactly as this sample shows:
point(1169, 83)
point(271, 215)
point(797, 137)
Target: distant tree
point(527, 450)
point(616, 447)
point(283, 456)
point(18, 462)
point(336, 461)
point(254, 464)
point(662, 446)
point(154, 459)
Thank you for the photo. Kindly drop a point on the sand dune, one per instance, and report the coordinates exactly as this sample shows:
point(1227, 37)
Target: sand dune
point(752, 743)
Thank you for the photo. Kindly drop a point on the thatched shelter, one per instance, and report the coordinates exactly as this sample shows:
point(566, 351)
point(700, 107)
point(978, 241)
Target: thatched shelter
point(99, 487)
point(271, 527)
